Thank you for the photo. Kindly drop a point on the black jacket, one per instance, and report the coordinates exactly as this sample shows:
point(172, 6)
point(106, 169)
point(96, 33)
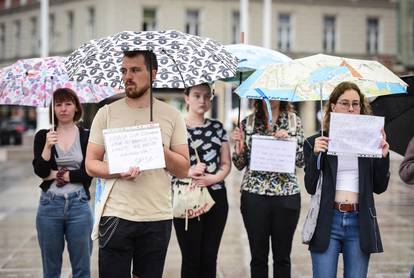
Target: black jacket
point(373, 177)
point(42, 167)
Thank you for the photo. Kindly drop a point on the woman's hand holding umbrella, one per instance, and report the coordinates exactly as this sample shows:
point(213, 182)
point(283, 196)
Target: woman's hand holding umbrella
point(238, 137)
point(321, 145)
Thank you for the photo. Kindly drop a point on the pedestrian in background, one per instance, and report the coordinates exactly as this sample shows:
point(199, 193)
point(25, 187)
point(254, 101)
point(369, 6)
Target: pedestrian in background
point(64, 212)
point(347, 220)
point(208, 140)
point(270, 201)
point(407, 172)
point(134, 219)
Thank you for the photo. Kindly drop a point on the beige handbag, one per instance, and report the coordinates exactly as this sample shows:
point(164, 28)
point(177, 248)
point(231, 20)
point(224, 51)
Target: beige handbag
point(189, 200)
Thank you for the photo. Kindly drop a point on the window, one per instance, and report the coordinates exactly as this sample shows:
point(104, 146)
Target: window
point(7, 4)
point(329, 34)
point(2, 40)
point(91, 23)
point(17, 37)
point(35, 36)
point(283, 43)
point(149, 19)
point(52, 32)
point(71, 30)
point(235, 27)
point(372, 35)
point(192, 22)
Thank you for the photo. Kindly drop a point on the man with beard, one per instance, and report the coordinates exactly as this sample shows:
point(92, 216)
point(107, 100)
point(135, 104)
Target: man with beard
point(136, 211)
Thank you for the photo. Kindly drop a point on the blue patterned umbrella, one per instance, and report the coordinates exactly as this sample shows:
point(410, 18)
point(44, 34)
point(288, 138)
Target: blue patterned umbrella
point(183, 60)
point(253, 57)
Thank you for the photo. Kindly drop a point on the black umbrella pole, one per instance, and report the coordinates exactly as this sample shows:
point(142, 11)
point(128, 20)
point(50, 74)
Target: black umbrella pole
point(238, 114)
point(150, 66)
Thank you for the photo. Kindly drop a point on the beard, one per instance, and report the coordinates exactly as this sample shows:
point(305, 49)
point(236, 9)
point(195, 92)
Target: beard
point(135, 92)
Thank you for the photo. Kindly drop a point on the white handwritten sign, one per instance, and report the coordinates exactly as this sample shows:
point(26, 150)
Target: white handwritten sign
point(139, 146)
point(355, 134)
point(272, 155)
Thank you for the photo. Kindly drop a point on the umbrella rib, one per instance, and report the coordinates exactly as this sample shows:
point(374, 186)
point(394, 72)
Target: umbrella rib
point(175, 63)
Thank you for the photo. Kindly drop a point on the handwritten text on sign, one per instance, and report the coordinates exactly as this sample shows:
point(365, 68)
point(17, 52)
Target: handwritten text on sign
point(134, 146)
point(272, 155)
point(355, 134)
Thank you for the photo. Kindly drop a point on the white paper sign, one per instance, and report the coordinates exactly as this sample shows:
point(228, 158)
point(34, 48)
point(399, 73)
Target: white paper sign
point(272, 155)
point(355, 134)
point(139, 146)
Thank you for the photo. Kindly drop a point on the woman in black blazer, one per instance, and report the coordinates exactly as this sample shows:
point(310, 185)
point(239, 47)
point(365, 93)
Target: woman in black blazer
point(64, 212)
point(347, 220)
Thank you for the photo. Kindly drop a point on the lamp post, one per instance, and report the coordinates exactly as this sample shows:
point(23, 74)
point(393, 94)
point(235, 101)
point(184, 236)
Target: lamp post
point(42, 118)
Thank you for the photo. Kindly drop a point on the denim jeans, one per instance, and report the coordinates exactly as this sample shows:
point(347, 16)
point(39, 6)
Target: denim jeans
point(345, 239)
point(61, 217)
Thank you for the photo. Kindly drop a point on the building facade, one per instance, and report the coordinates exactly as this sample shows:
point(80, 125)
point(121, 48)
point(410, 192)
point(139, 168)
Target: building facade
point(352, 28)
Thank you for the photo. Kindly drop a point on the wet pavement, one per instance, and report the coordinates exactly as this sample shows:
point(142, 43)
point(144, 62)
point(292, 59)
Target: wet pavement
point(20, 254)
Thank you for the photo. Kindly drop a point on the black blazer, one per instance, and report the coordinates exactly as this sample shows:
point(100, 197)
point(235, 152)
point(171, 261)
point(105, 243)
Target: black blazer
point(373, 177)
point(42, 167)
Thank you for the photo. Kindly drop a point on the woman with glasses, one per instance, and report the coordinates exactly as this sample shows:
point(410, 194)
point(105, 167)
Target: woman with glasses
point(270, 201)
point(208, 140)
point(347, 220)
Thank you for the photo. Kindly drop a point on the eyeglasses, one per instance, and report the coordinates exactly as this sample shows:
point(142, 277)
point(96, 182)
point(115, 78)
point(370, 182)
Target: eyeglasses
point(347, 104)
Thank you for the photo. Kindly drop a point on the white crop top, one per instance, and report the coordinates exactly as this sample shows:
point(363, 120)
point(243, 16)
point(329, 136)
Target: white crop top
point(347, 177)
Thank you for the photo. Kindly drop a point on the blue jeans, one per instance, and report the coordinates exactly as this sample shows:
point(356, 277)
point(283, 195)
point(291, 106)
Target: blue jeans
point(65, 217)
point(345, 239)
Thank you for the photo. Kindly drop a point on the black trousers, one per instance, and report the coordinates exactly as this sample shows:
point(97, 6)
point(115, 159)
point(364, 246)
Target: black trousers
point(199, 245)
point(265, 218)
point(122, 241)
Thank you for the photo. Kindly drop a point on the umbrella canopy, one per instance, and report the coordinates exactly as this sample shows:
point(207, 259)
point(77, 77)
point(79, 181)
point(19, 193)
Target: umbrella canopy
point(398, 111)
point(31, 82)
point(183, 60)
point(314, 78)
point(253, 57)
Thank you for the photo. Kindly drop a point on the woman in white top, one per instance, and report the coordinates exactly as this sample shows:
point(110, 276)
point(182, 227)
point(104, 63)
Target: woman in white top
point(347, 220)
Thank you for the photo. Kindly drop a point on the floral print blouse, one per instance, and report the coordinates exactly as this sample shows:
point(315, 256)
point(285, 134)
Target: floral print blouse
point(270, 183)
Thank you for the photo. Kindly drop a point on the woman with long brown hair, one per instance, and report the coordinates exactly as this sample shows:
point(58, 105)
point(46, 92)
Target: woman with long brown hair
point(64, 212)
point(347, 220)
point(270, 201)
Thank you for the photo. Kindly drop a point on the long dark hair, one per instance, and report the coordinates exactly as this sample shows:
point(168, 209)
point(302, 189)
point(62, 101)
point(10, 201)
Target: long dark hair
point(333, 99)
point(66, 94)
point(260, 109)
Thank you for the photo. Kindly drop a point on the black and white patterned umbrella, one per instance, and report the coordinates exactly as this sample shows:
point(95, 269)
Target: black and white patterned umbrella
point(183, 60)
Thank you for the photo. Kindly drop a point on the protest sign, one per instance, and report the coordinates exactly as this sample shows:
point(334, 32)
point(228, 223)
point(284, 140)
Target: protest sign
point(273, 155)
point(136, 146)
point(355, 134)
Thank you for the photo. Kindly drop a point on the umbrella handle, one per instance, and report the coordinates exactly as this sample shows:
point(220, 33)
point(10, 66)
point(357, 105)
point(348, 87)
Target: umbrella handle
point(321, 102)
point(238, 114)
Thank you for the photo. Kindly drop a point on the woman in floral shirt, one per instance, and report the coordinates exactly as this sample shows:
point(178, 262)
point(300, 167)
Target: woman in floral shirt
point(270, 201)
point(199, 244)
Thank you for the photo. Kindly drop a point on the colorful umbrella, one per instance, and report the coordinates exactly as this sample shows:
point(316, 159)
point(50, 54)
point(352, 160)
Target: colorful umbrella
point(314, 78)
point(31, 82)
point(253, 57)
point(183, 60)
